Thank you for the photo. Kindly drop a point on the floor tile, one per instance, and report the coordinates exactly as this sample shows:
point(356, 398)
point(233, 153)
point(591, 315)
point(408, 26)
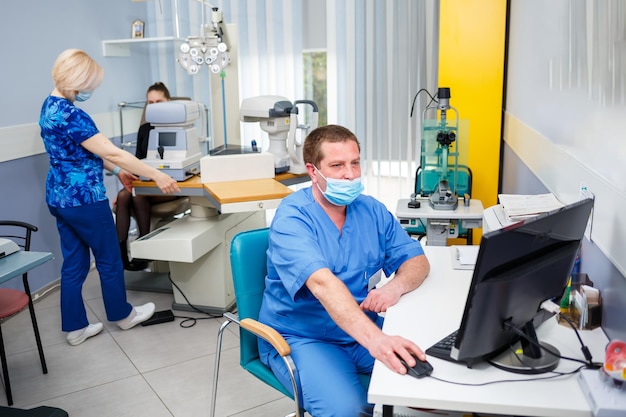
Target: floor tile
point(128, 397)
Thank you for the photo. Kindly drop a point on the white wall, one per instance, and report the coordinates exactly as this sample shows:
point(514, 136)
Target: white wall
point(566, 100)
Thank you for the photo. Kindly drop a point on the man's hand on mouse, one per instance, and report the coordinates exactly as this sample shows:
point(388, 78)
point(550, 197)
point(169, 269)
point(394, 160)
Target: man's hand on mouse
point(390, 348)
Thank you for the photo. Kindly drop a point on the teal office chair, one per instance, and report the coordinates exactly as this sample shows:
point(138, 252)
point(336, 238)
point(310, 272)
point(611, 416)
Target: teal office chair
point(426, 181)
point(248, 261)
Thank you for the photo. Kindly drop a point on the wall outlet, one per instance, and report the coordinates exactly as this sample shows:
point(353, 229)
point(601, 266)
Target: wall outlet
point(583, 193)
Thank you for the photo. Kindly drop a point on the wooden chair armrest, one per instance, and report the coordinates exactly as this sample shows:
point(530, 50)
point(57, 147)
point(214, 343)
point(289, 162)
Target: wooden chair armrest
point(267, 333)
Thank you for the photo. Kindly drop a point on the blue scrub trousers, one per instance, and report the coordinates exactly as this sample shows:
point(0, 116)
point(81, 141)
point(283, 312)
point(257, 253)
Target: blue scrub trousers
point(329, 376)
point(82, 228)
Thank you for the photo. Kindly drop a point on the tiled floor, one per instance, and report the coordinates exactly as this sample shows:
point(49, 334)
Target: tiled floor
point(155, 371)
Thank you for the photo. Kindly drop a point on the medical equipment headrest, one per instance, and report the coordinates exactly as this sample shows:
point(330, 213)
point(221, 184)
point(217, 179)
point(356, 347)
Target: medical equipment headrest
point(172, 113)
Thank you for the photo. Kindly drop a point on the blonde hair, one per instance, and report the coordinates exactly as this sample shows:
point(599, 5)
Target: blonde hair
point(74, 71)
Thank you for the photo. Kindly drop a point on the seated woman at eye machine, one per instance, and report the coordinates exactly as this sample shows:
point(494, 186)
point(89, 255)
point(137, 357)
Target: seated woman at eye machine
point(139, 205)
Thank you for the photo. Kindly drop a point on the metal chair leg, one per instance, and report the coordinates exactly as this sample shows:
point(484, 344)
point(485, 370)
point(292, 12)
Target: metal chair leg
point(216, 370)
point(5, 370)
point(33, 319)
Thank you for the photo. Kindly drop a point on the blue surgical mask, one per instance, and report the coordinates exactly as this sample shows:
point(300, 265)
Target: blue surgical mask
point(83, 95)
point(341, 192)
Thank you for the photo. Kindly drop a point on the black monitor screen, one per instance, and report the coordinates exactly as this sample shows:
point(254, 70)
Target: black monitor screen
point(167, 138)
point(518, 268)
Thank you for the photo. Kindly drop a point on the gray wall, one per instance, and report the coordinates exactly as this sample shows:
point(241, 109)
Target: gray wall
point(562, 125)
point(52, 26)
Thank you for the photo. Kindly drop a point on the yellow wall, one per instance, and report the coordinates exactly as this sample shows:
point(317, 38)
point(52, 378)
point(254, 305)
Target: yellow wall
point(471, 63)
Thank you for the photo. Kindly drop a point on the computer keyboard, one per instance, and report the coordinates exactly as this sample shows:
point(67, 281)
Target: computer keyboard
point(443, 348)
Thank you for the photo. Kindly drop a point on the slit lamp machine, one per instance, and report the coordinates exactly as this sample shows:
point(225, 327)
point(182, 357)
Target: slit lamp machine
point(439, 153)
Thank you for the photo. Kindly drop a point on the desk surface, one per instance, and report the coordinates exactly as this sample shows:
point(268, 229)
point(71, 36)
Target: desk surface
point(425, 211)
point(433, 311)
point(233, 196)
point(22, 261)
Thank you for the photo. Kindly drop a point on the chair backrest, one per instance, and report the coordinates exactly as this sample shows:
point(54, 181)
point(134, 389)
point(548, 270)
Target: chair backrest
point(19, 232)
point(248, 260)
point(427, 178)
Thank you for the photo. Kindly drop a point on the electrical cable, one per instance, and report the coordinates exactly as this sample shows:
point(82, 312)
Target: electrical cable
point(188, 319)
point(520, 333)
point(588, 362)
point(584, 348)
point(499, 381)
point(415, 98)
point(551, 307)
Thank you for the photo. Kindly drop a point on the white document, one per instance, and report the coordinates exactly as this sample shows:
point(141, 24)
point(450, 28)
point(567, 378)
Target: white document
point(464, 256)
point(521, 206)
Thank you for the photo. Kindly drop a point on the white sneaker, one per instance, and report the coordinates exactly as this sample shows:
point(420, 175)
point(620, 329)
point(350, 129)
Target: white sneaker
point(77, 337)
point(137, 315)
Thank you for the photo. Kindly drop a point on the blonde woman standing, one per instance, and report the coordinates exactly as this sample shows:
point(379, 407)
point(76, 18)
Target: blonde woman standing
point(76, 196)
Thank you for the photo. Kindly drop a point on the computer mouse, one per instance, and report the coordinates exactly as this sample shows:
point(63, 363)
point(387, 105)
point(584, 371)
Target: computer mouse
point(420, 370)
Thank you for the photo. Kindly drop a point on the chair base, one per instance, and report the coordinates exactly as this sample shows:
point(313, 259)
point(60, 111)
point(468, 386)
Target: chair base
point(42, 411)
point(148, 281)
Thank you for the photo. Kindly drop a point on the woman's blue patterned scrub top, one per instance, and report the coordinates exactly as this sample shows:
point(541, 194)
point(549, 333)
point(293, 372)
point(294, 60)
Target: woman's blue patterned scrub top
point(75, 175)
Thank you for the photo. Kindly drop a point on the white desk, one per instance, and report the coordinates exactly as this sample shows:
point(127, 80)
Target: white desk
point(20, 262)
point(441, 224)
point(433, 311)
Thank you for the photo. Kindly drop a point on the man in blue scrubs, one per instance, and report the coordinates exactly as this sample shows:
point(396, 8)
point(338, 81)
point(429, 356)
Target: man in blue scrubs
point(328, 246)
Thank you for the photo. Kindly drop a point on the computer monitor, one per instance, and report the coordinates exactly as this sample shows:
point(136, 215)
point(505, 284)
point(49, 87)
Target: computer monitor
point(518, 268)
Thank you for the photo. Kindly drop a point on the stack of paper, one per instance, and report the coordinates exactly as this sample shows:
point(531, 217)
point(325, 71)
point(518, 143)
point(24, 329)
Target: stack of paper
point(464, 257)
point(519, 207)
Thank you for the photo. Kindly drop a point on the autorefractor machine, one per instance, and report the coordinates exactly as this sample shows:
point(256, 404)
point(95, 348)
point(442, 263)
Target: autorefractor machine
point(173, 144)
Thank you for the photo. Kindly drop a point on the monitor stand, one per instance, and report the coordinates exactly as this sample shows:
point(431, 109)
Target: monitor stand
point(514, 360)
point(525, 357)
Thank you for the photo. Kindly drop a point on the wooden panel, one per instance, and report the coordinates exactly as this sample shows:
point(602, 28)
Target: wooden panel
point(242, 191)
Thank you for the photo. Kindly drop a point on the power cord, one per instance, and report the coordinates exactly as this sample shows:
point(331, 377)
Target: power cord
point(415, 98)
point(551, 307)
point(553, 375)
point(187, 320)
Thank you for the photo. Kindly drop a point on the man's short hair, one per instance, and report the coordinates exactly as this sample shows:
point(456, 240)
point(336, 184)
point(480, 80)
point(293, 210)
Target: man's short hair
point(312, 150)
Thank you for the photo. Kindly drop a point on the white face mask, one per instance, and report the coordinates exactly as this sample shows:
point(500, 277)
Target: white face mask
point(83, 95)
point(341, 192)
